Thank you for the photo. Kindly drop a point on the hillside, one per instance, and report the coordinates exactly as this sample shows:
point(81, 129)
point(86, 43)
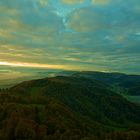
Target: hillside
point(71, 107)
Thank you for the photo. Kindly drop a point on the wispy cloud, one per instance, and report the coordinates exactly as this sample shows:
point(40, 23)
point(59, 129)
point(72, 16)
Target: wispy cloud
point(73, 1)
point(101, 2)
point(70, 34)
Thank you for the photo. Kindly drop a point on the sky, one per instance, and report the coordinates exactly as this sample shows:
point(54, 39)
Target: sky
point(90, 35)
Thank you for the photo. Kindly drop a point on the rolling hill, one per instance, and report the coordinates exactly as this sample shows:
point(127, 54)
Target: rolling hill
point(66, 107)
point(121, 83)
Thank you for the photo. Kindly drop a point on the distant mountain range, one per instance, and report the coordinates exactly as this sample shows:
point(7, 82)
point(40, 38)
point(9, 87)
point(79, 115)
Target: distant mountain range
point(77, 106)
point(122, 83)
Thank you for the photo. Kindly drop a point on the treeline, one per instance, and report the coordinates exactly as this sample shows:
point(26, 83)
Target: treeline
point(49, 121)
point(40, 118)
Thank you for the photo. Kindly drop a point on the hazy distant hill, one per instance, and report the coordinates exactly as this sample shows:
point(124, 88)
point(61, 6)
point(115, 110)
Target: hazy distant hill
point(123, 83)
point(72, 107)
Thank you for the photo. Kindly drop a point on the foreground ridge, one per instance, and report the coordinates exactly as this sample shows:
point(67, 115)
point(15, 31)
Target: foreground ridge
point(67, 107)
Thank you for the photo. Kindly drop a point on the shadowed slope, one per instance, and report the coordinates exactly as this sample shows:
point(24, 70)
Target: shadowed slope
point(64, 107)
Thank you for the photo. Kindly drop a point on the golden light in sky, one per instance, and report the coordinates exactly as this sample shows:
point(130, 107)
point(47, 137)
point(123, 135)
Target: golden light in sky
point(32, 65)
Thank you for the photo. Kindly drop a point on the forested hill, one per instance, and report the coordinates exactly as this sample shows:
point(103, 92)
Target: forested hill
point(67, 108)
point(122, 83)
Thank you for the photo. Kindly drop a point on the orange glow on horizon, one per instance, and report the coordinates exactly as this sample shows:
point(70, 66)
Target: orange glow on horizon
point(31, 65)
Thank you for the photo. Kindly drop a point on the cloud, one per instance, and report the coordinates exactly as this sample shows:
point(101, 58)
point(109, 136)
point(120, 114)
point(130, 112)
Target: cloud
point(101, 36)
point(101, 2)
point(44, 2)
point(9, 11)
point(87, 20)
point(73, 1)
point(4, 33)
